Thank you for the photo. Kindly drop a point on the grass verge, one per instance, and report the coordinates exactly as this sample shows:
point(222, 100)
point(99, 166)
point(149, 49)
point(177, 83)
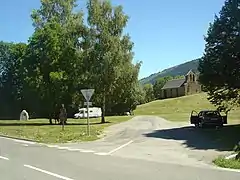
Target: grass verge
point(227, 163)
point(179, 109)
point(41, 131)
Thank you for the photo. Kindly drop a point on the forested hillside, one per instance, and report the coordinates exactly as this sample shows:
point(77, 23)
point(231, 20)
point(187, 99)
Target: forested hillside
point(181, 69)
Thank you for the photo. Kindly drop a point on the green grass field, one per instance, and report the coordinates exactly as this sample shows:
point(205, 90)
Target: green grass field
point(41, 131)
point(227, 163)
point(179, 109)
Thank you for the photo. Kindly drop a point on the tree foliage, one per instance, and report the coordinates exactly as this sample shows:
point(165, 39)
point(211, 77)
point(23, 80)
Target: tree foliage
point(220, 66)
point(110, 56)
point(149, 93)
point(65, 55)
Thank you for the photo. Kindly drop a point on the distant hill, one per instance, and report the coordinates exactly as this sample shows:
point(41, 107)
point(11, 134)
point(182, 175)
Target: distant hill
point(181, 69)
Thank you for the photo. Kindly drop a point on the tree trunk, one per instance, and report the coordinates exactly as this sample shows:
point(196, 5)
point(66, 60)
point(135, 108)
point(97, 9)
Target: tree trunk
point(103, 109)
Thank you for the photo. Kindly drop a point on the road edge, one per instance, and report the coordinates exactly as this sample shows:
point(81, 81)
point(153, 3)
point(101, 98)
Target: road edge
point(18, 138)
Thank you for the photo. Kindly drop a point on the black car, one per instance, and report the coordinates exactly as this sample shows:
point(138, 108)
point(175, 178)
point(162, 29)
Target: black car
point(208, 117)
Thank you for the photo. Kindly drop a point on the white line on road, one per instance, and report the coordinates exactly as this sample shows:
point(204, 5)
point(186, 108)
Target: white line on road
point(47, 172)
point(22, 141)
point(5, 158)
point(86, 151)
point(19, 140)
point(72, 149)
point(101, 154)
point(63, 147)
point(51, 146)
point(120, 147)
point(25, 145)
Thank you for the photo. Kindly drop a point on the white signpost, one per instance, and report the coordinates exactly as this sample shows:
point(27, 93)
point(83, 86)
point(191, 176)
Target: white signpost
point(87, 93)
point(87, 103)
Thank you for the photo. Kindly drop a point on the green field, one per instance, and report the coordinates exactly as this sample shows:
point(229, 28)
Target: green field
point(227, 163)
point(41, 131)
point(179, 109)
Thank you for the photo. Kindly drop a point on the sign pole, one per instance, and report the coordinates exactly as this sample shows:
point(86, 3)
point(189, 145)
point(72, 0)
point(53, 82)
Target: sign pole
point(87, 93)
point(88, 124)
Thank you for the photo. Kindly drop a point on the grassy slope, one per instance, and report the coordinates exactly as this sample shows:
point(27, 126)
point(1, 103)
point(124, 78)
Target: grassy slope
point(40, 130)
point(179, 109)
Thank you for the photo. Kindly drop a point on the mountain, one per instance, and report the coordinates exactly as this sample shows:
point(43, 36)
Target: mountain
point(181, 69)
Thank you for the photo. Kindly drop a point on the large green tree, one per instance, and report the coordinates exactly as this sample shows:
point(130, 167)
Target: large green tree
point(109, 57)
point(149, 93)
point(158, 85)
point(54, 55)
point(11, 78)
point(220, 66)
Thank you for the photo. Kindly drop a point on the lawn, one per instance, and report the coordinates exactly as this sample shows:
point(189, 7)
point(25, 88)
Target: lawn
point(227, 163)
point(179, 109)
point(41, 131)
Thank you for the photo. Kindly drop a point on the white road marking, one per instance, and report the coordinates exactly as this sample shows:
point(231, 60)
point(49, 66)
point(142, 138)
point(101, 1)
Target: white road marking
point(18, 140)
point(71, 149)
point(22, 141)
point(52, 146)
point(47, 172)
point(120, 147)
point(63, 147)
point(5, 158)
point(25, 145)
point(86, 151)
point(101, 154)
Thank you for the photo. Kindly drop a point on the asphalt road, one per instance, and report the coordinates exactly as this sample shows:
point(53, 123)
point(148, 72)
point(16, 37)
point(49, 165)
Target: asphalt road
point(23, 161)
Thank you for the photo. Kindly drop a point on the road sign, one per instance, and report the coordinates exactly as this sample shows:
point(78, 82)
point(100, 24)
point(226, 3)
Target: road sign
point(88, 103)
point(87, 93)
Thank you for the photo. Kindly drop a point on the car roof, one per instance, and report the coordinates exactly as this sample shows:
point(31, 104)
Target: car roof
point(209, 111)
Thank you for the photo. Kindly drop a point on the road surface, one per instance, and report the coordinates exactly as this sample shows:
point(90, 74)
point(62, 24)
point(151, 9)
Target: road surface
point(107, 159)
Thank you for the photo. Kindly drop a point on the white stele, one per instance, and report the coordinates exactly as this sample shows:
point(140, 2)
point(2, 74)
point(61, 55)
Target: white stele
point(24, 115)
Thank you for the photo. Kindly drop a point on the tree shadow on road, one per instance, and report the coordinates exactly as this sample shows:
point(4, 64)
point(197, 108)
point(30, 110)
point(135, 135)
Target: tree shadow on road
point(223, 139)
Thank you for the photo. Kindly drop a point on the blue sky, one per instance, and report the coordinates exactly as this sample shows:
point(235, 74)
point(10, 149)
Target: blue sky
point(165, 33)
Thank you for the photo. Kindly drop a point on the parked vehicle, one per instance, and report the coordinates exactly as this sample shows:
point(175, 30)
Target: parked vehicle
point(207, 117)
point(94, 112)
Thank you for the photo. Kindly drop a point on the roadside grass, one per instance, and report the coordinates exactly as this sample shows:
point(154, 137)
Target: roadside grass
point(179, 109)
point(40, 130)
point(227, 163)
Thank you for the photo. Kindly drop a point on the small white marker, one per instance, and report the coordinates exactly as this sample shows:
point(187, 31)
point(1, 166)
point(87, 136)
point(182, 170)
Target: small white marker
point(5, 158)
point(47, 172)
point(25, 145)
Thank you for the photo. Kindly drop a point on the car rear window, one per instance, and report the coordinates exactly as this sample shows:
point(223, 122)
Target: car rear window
point(212, 114)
